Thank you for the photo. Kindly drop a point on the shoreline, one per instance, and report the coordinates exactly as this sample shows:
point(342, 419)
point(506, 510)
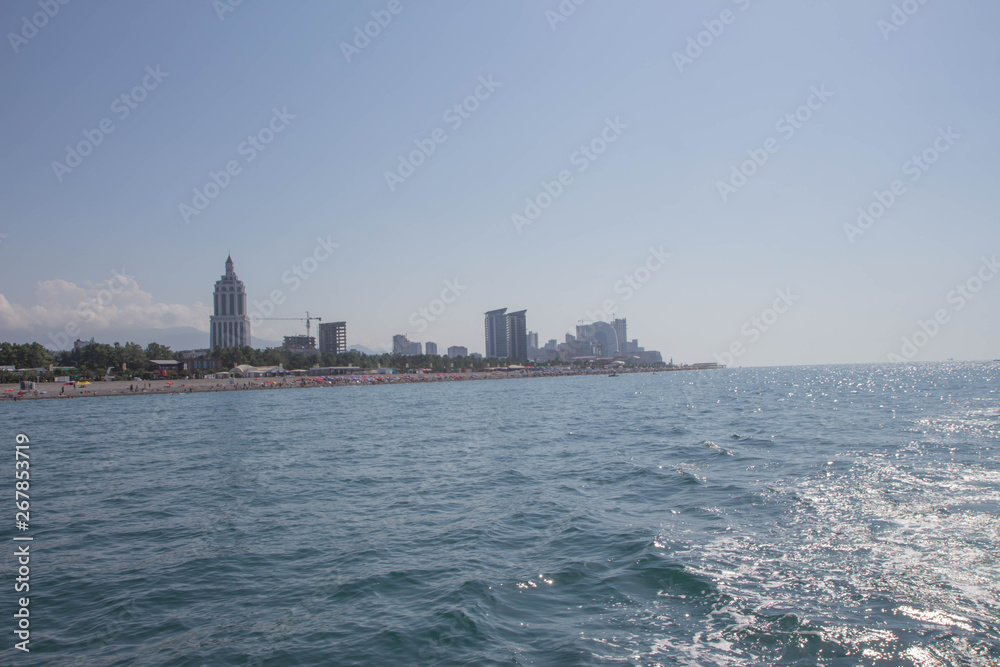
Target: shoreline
point(99, 389)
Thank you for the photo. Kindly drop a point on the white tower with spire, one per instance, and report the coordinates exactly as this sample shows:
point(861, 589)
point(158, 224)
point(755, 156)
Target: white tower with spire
point(230, 325)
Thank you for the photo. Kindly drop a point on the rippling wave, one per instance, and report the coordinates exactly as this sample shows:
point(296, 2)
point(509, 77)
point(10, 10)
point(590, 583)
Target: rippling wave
point(816, 515)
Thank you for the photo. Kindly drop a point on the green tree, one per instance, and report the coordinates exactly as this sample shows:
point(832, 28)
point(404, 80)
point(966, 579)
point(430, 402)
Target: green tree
point(134, 357)
point(157, 351)
point(95, 357)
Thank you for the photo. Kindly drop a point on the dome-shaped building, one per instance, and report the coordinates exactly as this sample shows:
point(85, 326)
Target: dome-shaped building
point(603, 337)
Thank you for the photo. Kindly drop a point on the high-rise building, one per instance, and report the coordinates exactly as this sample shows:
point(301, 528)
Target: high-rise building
point(496, 334)
point(458, 351)
point(622, 331)
point(430, 348)
point(603, 337)
point(533, 339)
point(333, 338)
point(302, 344)
point(402, 345)
point(229, 326)
point(517, 336)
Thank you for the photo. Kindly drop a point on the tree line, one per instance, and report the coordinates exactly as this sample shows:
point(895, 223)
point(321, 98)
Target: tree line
point(92, 361)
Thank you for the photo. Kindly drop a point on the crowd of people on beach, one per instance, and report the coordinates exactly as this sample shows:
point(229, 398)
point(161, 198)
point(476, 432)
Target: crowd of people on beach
point(188, 386)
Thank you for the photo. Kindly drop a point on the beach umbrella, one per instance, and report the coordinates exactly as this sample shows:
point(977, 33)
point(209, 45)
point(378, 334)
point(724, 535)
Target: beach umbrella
point(169, 384)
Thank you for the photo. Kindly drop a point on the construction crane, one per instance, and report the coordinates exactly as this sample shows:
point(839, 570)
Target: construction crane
point(307, 319)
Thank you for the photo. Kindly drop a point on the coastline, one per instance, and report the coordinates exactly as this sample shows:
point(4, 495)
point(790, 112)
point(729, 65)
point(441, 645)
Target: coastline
point(53, 390)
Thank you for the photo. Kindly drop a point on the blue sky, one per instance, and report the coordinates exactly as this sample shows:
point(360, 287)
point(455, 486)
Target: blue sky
point(555, 86)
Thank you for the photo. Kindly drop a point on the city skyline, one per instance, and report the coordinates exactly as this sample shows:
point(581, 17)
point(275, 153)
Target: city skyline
point(594, 167)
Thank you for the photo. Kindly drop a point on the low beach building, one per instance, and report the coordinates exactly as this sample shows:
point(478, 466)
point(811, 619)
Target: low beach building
point(334, 370)
point(248, 371)
point(164, 366)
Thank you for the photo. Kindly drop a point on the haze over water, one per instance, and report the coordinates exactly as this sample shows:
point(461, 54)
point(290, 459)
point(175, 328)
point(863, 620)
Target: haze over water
point(834, 515)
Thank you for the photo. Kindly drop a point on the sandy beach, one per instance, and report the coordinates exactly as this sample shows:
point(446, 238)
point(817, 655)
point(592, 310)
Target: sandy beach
point(53, 390)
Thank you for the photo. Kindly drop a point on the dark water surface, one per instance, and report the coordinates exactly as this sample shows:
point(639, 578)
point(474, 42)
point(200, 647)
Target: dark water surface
point(823, 515)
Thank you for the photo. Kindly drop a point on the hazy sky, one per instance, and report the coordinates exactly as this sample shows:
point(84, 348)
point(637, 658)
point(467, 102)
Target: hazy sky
point(310, 117)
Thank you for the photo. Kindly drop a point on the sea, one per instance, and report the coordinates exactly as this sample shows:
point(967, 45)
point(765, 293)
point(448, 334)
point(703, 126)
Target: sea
point(823, 515)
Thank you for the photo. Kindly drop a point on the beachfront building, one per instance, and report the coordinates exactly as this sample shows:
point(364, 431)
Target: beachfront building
point(300, 344)
point(164, 366)
point(602, 335)
point(496, 334)
point(402, 345)
point(333, 338)
point(333, 370)
point(458, 351)
point(506, 335)
point(248, 371)
point(202, 364)
point(517, 336)
point(229, 326)
point(199, 360)
point(430, 348)
point(621, 330)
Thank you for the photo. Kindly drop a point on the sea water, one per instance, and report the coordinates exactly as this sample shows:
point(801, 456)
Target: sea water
point(835, 515)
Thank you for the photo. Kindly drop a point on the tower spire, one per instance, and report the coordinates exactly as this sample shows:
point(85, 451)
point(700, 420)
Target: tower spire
point(230, 321)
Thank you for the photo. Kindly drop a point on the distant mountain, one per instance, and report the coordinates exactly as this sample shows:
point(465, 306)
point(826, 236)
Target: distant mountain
point(176, 338)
